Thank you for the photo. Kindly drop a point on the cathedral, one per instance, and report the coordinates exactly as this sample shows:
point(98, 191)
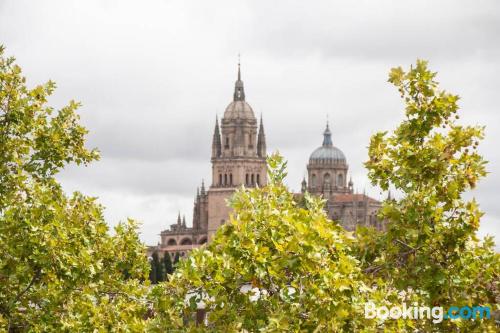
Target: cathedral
point(239, 158)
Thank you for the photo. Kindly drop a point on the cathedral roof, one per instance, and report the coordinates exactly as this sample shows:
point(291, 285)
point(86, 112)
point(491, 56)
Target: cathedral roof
point(327, 153)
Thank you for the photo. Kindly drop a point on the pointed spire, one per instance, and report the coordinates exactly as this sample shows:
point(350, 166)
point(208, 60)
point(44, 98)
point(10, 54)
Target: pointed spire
point(303, 185)
point(327, 136)
point(184, 221)
point(179, 218)
point(202, 187)
point(239, 91)
point(261, 140)
point(216, 141)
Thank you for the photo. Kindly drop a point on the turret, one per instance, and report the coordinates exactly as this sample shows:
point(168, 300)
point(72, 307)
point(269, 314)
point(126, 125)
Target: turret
point(303, 187)
point(216, 141)
point(202, 187)
point(261, 140)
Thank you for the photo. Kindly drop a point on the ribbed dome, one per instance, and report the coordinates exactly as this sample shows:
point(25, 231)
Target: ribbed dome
point(327, 153)
point(239, 109)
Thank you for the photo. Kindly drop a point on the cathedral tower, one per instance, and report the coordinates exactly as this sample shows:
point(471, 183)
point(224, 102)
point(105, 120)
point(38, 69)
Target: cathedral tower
point(327, 169)
point(238, 155)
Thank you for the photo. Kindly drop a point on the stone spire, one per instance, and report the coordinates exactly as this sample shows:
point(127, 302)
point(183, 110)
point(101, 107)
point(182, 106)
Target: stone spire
point(303, 188)
point(239, 91)
point(261, 140)
point(184, 221)
point(179, 219)
point(327, 136)
point(216, 141)
point(202, 187)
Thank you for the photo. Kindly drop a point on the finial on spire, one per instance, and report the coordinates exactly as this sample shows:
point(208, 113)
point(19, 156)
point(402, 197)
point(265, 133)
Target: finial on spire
point(239, 65)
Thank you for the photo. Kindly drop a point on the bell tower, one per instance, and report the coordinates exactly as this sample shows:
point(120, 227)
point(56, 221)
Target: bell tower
point(238, 155)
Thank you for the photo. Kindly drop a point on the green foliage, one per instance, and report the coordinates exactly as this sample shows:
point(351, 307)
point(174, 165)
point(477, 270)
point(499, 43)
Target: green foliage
point(295, 259)
point(431, 244)
point(60, 269)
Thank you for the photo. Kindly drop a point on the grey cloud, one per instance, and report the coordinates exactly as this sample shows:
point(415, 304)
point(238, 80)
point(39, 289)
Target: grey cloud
point(379, 30)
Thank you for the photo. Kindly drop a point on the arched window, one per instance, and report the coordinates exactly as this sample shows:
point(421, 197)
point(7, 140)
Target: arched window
point(227, 143)
point(326, 178)
point(202, 241)
point(258, 179)
point(253, 179)
point(230, 179)
point(171, 242)
point(225, 179)
point(220, 179)
point(313, 180)
point(246, 179)
point(186, 241)
point(340, 180)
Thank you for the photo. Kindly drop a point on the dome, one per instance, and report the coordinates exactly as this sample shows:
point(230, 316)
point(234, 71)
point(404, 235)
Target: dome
point(239, 109)
point(327, 153)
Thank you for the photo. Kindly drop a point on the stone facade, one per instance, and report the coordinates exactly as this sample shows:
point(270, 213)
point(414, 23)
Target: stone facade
point(239, 158)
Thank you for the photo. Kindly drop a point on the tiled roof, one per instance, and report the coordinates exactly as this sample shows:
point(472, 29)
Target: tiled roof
point(352, 197)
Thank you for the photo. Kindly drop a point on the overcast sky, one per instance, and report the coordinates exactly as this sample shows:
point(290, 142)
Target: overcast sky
point(152, 76)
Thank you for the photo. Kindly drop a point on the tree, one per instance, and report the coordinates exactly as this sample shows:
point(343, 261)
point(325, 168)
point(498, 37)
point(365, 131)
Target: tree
point(157, 273)
point(274, 267)
point(176, 258)
point(152, 270)
point(431, 243)
point(167, 264)
point(60, 269)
